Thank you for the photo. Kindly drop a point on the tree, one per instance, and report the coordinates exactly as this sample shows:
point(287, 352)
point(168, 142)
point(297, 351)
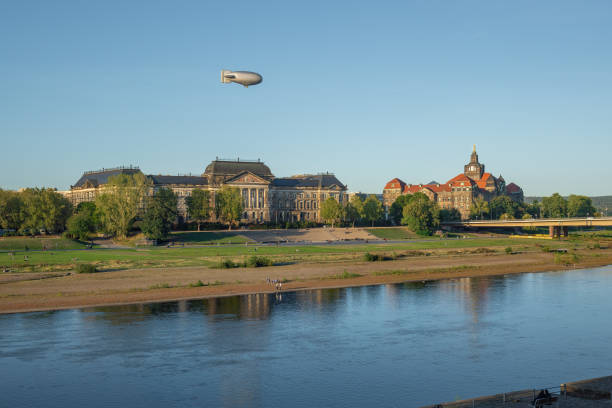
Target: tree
point(533, 209)
point(11, 210)
point(198, 206)
point(421, 215)
point(504, 205)
point(479, 209)
point(159, 215)
point(554, 206)
point(372, 209)
point(228, 205)
point(44, 208)
point(121, 202)
point(353, 212)
point(83, 222)
point(395, 212)
point(331, 211)
point(450, 214)
point(79, 226)
point(579, 206)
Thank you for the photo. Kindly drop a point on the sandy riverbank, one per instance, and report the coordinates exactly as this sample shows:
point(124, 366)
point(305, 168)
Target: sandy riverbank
point(44, 291)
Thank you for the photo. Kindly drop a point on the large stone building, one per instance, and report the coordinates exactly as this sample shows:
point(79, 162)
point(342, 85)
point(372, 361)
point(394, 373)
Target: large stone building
point(460, 191)
point(265, 198)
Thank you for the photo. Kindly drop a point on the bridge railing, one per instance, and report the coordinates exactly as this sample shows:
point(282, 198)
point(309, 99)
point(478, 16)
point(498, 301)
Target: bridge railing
point(528, 221)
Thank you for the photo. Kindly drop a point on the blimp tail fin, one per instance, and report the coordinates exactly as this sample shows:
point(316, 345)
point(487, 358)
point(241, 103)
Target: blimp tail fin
point(224, 79)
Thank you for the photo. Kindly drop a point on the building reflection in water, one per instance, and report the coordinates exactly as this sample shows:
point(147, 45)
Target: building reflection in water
point(256, 306)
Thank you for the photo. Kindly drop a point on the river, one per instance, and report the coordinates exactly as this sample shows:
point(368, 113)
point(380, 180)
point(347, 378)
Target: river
point(377, 346)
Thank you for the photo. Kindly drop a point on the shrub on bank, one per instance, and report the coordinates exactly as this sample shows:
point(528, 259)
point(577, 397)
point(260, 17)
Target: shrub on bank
point(86, 268)
point(566, 259)
point(228, 264)
point(258, 261)
point(372, 257)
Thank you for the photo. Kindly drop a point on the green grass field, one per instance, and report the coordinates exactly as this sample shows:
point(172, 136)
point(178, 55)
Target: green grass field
point(21, 243)
point(208, 237)
point(160, 257)
point(395, 233)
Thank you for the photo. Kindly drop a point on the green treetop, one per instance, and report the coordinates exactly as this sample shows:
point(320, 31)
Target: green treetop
point(228, 205)
point(331, 211)
point(160, 213)
point(121, 201)
point(421, 215)
point(372, 209)
point(198, 206)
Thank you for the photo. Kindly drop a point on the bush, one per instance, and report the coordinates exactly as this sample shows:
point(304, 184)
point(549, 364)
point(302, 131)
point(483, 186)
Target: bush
point(86, 268)
point(372, 257)
point(508, 250)
point(197, 284)
point(228, 264)
point(566, 259)
point(258, 261)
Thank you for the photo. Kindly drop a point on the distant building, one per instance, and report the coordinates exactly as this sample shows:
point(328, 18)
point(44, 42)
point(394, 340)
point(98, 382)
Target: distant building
point(265, 197)
point(460, 191)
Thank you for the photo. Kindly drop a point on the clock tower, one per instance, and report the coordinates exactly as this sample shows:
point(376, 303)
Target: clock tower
point(474, 169)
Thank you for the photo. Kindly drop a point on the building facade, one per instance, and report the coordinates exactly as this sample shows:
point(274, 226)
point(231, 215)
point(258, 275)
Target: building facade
point(265, 198)
point(460, 191)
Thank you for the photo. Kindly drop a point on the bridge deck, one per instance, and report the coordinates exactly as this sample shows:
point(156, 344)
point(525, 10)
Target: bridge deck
point(536, 222)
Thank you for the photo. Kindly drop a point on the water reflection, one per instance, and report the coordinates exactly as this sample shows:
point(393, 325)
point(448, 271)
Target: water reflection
point(404, 344)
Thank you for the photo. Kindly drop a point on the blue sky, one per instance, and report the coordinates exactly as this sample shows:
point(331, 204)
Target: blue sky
point(367, 90)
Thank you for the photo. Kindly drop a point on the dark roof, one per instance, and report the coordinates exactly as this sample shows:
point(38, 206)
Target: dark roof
point(513, 189)
point(232, 168)
point(100, 177)
point(185, 180)
point(316, 181)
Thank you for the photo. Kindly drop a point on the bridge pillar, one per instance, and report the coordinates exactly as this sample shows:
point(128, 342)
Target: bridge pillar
point(555, 232)
point(565, 232)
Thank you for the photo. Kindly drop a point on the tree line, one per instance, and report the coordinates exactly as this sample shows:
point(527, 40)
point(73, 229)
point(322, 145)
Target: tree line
point(125, 202)
point(555, 206)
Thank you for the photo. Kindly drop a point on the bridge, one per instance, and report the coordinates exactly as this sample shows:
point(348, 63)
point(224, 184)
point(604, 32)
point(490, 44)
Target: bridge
point(556, 226)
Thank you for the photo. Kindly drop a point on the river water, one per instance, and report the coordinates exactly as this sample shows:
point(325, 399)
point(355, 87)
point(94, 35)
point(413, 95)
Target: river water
point(390, 345)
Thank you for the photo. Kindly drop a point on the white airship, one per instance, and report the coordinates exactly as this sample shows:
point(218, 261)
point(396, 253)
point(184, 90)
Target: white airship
point(244, 78)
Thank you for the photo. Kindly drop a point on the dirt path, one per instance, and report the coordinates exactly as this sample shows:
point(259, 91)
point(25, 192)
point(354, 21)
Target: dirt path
point(149, 285)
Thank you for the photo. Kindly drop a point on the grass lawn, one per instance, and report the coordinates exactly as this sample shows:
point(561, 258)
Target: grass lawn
point(160, 257)
point(21, 243)
point(208, 237)
point(393, 233)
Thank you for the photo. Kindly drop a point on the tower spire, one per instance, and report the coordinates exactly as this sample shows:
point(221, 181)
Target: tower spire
point(474, 149)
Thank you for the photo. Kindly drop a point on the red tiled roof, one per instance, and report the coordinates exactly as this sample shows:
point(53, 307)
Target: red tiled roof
point(395, 183)
point(436, 188)
point(460, 178)
point(411, 188)
point(482, 183)
point(513, 188)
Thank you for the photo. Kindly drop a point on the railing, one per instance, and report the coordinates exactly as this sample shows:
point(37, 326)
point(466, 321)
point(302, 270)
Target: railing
point(130, 167)
point(237, 159)
point(527, 221)
point(525, 398)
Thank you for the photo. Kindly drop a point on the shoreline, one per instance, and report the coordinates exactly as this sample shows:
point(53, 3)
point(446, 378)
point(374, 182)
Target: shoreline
point(589, 393)
point(135, 286)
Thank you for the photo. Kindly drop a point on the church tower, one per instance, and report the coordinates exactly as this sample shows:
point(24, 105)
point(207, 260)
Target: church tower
point(474, 169)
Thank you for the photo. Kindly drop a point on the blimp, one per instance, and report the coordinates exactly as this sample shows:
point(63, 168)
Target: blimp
point(244, 78)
